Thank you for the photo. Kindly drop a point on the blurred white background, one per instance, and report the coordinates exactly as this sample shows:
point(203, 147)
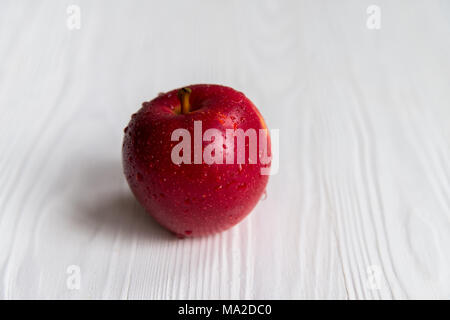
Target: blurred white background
point(360, 207)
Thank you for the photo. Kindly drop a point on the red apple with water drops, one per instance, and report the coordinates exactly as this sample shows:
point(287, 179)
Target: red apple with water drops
point(194, 199)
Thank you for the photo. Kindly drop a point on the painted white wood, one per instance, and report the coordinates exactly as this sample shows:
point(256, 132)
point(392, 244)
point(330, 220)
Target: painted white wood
point(360, 208)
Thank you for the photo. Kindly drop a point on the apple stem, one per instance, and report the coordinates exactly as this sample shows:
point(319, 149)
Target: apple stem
point(183, 96)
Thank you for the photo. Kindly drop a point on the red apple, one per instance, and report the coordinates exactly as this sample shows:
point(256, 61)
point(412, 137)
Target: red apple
point(200, 197)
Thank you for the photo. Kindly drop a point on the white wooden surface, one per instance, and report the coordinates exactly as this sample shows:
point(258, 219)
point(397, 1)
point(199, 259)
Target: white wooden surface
point(360, 208)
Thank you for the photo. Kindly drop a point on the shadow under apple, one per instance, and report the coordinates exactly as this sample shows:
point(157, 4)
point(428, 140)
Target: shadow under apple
point(106, 205)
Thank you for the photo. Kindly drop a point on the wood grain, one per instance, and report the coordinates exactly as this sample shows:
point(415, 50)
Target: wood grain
point(360, 207)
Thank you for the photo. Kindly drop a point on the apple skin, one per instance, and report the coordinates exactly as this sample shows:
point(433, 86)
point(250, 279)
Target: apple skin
point(193, 199)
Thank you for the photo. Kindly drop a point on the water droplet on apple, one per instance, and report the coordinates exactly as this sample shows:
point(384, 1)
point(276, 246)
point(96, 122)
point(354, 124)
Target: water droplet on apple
point(242, 186)
point(264, 196)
